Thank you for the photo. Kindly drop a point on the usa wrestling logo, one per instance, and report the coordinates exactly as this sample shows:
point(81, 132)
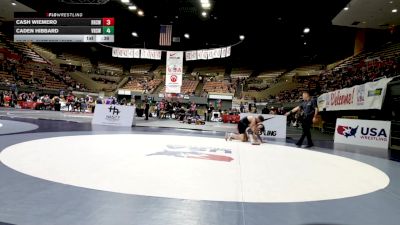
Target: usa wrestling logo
point(347, 131)
point(193, 152)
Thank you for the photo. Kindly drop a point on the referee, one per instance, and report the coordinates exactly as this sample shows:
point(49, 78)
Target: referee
point(310, 111)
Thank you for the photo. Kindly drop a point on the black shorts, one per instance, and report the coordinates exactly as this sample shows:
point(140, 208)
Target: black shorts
point(242, 127)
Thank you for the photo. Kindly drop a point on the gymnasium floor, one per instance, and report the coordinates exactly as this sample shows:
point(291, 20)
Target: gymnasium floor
point(56, 168)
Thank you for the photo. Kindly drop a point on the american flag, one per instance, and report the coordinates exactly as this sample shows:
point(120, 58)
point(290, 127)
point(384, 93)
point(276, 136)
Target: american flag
point(165, 35)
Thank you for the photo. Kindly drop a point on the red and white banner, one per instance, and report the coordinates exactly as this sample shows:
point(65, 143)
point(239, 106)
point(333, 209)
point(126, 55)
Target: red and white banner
point(174, 69)
point(370, 133)
point(366, 96)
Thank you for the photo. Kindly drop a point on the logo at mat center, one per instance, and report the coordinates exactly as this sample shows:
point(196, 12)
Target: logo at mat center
point(194, 152)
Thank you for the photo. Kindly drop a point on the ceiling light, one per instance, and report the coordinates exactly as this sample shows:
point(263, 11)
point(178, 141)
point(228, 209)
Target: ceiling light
point(132, 7)
point(204, 1)
point(346, 8)
point(306, 30)
point(241, 37)
point(391, 2)
point(140, 13)
point(394, 10)
point(187, 36)
point(305, 43)
point(134, 34)
point(125, 1)
point(206, 5)
point(204, 14)
point(13, 3)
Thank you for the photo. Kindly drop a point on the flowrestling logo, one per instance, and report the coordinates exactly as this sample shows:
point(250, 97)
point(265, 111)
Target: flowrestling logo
point(366, 133)
point(193, 152)
point(113, 113)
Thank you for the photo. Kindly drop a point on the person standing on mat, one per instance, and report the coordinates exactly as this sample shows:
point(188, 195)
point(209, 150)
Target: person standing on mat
point(310, 112)
point(146, 109)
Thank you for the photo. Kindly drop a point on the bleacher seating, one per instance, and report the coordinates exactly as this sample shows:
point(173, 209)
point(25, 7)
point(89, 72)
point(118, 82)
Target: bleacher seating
point(32, 74)
point(114, 69)
point(140, 69)
point(217, 87)
point(270, 74)
point(22, 49)
point(81, 60)
point(210, 71)
point(6, 78)
point(240, 73)
point(141, 84)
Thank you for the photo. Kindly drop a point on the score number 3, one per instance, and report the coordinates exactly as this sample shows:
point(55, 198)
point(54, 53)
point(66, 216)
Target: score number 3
point(108, 21)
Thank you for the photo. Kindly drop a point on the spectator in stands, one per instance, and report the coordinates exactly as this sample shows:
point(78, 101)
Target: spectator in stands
point(99, 100)
point(242, 107)
point(310, 110)
point(265, 110)
point(70, 101)
point(1, 98)
point(193, 108)
point(210, 110)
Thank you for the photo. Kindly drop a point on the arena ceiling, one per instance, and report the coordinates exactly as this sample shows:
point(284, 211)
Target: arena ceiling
point(273, 30)
point(369, 14)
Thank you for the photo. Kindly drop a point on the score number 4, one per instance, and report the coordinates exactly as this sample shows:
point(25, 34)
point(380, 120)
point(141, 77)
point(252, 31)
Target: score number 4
point(108, 30)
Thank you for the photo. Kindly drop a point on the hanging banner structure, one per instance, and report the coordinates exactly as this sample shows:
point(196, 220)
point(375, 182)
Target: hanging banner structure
point(174, 68)
point(136, 53)
point(202, 54)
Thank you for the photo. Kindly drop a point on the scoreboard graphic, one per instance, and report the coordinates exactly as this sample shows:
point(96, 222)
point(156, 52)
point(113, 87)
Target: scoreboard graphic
point(62, 27)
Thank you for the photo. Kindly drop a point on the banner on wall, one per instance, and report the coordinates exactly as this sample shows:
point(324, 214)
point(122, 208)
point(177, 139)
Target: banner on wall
point(275, 125)
point(370, 133)
point(360, 97)
point(174, 68)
